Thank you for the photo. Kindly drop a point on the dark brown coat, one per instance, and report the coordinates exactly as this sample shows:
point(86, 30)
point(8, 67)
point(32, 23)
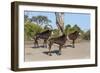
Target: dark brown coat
point(58, 40)
point(43, 35)
point(73, 36)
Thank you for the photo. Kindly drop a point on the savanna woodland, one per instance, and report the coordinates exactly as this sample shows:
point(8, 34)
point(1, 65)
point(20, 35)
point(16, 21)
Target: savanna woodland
point(40, 23)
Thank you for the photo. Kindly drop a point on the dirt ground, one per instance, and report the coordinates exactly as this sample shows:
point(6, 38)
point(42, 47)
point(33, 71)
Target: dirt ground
point(81, 51)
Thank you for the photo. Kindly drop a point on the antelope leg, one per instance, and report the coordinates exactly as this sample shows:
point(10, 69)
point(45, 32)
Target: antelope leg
point(60, 47)
point(49, 53)
point(73, 43)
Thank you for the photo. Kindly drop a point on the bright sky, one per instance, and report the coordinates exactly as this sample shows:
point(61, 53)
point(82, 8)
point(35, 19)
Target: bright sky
point(81, 19)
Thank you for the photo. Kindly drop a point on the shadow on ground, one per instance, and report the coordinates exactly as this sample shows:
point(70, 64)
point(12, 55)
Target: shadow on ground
point(41, 46)
point(65, 46)
point(52, 52)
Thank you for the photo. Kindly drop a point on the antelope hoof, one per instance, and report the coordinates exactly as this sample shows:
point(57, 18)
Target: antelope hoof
point(73, 46)
point(59, 54)
point(49, 54)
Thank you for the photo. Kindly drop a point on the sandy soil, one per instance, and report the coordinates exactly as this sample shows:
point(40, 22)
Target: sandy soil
point(81, 51)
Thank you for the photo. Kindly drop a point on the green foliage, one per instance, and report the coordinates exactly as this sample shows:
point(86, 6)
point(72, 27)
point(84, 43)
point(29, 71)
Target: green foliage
point(76, 28)
point(55, 32)
point(48, 27)
point(26, 19)
point(86, 35)
point(40, 20)
point(31, 29)
point(83, 35)
point(32, 26)
point(69, 29)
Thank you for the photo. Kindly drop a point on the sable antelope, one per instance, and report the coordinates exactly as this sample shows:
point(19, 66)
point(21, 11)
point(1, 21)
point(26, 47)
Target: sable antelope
point(43, 35)
point(59, 40)
point(73, 36)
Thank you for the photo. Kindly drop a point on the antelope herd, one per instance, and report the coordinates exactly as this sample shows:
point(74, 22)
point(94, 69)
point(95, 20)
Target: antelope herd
point(60, 40)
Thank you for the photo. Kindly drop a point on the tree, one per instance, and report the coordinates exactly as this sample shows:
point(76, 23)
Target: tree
point(26, 19)
point(32, 26)
point(31, 30)
point(48, 27)
point(55, 33)
point(73, 29)
point(86, 35)
point(34, 19)
point(67, 27)
point(60, 21)
point(76, 28)
point(40, 20)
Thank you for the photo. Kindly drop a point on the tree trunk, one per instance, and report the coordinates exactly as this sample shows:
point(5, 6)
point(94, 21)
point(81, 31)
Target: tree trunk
point(60, 21)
